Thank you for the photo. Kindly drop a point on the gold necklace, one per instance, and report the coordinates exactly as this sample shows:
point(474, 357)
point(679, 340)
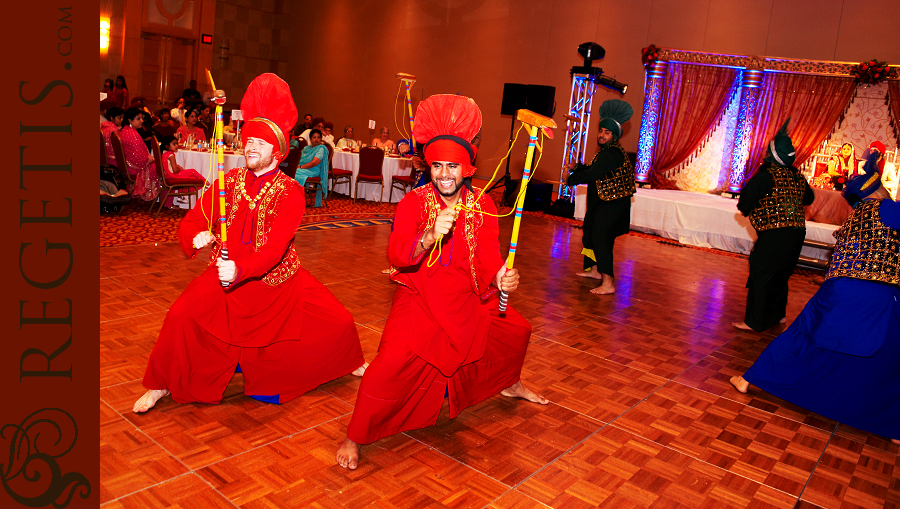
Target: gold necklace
point(259, 195)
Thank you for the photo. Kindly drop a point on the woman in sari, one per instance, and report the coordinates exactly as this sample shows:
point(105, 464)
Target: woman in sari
point(190, 127)
point(140, 162)
point(314, 163)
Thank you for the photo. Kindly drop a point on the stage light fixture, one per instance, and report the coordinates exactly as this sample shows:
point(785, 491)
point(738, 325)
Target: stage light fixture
point(592, 51)
point(104, 34)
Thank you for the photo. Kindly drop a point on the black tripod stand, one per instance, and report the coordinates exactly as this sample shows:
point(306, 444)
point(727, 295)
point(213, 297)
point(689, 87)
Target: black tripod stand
point(506, 181)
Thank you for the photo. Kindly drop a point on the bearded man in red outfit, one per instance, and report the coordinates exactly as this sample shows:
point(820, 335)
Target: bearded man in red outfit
point(444, 334)
point(272, 320)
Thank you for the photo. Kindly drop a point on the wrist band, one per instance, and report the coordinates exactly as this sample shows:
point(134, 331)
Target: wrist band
point(422, 243)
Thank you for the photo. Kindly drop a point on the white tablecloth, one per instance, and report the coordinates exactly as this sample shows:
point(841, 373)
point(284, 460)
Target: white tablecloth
point(205, 164)
point(367, 190)
point(703, 220)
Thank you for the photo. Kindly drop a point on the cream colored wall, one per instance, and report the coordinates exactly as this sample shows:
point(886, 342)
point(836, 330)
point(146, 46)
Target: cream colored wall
point(473, 47)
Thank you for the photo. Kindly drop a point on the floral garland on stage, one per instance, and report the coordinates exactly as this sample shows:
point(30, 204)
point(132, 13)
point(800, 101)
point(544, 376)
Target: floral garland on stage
point(873, 72)
point(649, 55)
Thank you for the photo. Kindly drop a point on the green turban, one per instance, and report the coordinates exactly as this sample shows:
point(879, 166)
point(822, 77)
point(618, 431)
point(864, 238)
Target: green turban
point(781, 148)
point(613, 113)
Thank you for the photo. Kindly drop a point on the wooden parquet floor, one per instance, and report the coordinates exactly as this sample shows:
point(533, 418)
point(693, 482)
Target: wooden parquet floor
point(641, 412)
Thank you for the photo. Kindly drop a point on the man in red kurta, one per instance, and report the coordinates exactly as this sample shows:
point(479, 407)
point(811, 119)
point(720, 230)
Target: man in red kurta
point(444, 334)
point(283, 328)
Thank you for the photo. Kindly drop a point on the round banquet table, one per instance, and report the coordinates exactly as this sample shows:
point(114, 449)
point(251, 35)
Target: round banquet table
point(367, 190)
point(205, 164)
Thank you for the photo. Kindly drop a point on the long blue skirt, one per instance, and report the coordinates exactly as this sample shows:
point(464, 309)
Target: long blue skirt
point(841, 357)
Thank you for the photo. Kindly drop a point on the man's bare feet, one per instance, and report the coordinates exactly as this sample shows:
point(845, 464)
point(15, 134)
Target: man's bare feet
point(590, 273)
point(783, 320)
point(347, 454)
point(896, 440)
point(149, 399)
point(517, 390)
point(386, 271)
point(741, 325)
point(360, 370)
point(740, 384)
point(606, 288)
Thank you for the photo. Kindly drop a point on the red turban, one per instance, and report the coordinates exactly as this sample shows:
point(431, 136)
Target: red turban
point(269, 111)
point(446, 125)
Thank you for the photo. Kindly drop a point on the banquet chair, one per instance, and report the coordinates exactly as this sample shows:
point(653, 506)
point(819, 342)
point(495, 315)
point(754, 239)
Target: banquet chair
point(119, 151)
point(291, 162)
point(405, 182)
point(103, 161)
point(370, 164)
point(338, 174)
point(180, 187)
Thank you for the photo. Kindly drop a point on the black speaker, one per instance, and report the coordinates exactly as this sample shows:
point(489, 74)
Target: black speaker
point(540, 99)
point(515, 97)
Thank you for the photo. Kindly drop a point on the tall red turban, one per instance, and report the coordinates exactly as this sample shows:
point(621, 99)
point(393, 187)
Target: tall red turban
point(446, 124)
point(269, 112)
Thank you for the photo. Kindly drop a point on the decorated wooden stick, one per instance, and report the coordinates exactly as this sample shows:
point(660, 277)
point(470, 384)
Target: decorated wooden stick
point(533, 122)
point(220, 156)
point(408, 80)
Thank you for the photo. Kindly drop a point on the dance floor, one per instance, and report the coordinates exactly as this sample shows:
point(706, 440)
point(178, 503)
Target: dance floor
point(641, 412)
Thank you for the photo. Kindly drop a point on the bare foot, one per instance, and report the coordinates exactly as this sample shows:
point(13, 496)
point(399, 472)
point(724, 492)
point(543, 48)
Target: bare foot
point(347, 454)
point(590, 273)
point(517, 390)
point(604, 289)
point(149, 399)
point(740, 384)
point(360, 370)
point(741, 325)
point(783, 320)
point(386, 271)
point(896, 441)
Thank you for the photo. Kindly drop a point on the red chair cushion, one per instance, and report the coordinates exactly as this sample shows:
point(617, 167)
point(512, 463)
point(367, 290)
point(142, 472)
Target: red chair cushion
point(339, 172)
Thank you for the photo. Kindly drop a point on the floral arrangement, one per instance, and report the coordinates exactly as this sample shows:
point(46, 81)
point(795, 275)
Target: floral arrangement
point(649, 55)
point(873, 72)
point(838, 182)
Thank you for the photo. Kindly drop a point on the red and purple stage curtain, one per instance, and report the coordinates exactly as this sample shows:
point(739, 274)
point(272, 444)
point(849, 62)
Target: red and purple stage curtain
point(894, 106)
point(814, 104)
point(695, 99)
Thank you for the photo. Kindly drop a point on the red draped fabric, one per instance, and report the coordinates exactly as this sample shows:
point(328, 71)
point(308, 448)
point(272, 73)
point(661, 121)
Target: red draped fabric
point(813, 103)
point(694, 100)
point(894, 106)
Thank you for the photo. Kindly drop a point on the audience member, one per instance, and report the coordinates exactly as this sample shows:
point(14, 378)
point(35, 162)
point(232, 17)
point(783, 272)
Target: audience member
point(114, 124)
point(173, 171)
point(384, 141)
point(146, 129)
point(307, 122)
point(108, 87)
point(314, 163)
point(347, 141)
point(327, 137)
point(120, 92)
point(190, 127)
point(139, 161)
point(191, 94)
point(177, 113)
point(318, 123)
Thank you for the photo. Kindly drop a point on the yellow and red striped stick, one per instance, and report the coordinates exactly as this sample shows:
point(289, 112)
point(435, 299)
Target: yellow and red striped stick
point(220, 156)
point(533, 122)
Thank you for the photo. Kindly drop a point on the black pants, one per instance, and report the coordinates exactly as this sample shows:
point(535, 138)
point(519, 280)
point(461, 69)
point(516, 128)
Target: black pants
point(772, 263)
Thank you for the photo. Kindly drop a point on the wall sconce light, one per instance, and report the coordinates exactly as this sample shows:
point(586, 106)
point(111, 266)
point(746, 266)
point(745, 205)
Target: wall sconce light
point(104, 34)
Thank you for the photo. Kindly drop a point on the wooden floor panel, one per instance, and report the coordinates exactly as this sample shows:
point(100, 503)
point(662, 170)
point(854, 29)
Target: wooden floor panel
point(641, 412)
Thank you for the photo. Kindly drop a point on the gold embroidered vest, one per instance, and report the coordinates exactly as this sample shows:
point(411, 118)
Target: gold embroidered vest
point(470, 220)
point(783, 206)
point(264, 216)
point(866, 248)
point(618, 183)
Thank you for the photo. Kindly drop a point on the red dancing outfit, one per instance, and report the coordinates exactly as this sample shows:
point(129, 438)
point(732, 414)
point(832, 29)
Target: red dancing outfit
point(286, 330)
point(443, 332)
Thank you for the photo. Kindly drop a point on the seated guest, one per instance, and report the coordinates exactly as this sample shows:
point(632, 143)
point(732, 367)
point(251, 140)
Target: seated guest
point(164, 116)
point(347, 141)
point(318, 123)
point(313, 163)
point(384, 141)
point(307, 122)
point(174, 172)
point(138, 159)
point(840, 363)
point(190, 127)
point(177, 113)
point(327, 137)
point(140, 103)
point(115, 115)
point(146, 130)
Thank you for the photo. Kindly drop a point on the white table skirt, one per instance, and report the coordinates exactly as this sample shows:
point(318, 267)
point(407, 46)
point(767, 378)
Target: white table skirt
point(702, 220)
point(205, 164)
point(368, 190)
